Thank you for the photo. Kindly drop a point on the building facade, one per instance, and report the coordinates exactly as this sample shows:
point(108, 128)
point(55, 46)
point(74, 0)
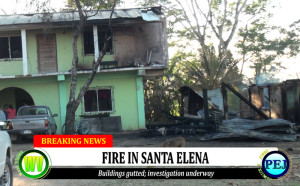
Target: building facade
point(36, 57)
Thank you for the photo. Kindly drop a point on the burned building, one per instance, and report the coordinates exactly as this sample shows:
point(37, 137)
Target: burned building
point(277, 100)
point(192, 101)
point(36, 54)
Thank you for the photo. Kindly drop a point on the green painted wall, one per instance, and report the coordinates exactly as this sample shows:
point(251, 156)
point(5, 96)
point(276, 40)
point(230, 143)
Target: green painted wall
point(64, 38)
point(140, 102)
point(14, 67)
point(64, 49)
point(63, 44)
point(125, 97)
point(44, 91)
point(53, 91)
point(32, 51)
point(8, 68)
point(64, 53)
point(62, 100)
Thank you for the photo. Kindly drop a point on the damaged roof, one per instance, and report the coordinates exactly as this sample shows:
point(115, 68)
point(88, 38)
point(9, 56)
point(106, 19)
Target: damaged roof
point(150, 14)
point(214, 96)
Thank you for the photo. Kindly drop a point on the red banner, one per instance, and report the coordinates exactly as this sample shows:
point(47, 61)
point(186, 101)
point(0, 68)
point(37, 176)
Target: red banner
point(72, 141)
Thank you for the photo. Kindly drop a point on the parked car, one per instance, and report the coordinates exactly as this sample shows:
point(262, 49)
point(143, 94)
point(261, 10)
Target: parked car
point(34, 120)
point(6, 173)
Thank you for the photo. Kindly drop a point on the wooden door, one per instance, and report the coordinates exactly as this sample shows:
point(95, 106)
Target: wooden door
point(47, 54)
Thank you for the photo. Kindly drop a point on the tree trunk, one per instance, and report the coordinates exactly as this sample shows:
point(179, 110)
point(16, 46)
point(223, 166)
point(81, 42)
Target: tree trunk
point(73, 100)
point(70, 118)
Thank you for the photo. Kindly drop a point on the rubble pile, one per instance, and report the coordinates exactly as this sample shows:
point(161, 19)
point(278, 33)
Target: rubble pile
point(267, 130)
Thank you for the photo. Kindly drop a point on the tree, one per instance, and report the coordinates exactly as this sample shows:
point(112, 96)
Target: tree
point(74, 100)
point(195, 69)
point(202, 34)
point(262, 45)
point(216, 22)
point(210, 27)
point(172, 13)
point(86, 9)
point(205, 67)
point(93, 4)
point(161, 94)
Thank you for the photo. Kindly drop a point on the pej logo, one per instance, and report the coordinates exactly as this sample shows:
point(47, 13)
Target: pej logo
point(276, 164)
point(34, 164)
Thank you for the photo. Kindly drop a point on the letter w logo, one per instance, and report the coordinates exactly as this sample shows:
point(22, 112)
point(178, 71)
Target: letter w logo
point(30, 162)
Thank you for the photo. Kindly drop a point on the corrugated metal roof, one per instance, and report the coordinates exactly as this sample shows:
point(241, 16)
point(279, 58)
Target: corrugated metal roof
point(148, 15)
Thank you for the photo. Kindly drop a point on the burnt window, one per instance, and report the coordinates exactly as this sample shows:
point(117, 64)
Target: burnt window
point(88, 40)
point(98, 100)
point(10, 47)
point(4, 51)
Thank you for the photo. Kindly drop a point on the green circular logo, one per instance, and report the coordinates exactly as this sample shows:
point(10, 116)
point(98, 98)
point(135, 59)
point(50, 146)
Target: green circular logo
point(34, 164)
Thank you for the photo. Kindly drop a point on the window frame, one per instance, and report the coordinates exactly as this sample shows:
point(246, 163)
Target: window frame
point(8, 36)
point(99, 30)
point(98, 112)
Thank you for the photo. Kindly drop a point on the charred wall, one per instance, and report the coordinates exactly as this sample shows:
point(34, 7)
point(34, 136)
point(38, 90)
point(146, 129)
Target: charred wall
point(133, 41)
point(283, 98)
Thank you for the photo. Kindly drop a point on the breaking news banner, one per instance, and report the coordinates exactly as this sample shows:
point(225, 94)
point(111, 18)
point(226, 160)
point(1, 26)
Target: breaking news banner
point(92, 157)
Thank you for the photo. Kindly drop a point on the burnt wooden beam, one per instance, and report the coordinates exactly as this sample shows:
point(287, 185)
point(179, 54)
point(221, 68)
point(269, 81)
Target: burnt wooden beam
point(297, 101)
point(225, 104)
point(283, 100)
point(181, 106)
point(250, 95)
point(263, 115)
point(269, 98)
point(205, 106)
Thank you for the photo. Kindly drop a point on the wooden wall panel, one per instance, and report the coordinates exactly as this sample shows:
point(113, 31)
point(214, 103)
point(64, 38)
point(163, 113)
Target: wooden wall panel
point(47, 54)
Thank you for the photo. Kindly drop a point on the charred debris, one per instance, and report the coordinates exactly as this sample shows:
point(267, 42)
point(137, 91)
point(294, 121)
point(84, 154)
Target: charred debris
point(270, 112)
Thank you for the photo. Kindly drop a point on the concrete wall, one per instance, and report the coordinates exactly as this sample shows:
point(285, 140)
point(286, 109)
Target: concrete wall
point(128, 95)
point(44, 91)
point(64, 50)
point(8, 68)
point(125, 96)
point(13, 67)
point(130, 45)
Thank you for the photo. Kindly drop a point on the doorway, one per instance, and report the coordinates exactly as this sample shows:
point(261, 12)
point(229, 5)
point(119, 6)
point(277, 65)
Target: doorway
point(16, 96)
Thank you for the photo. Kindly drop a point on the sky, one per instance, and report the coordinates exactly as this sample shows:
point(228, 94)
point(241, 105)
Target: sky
point(287, 11)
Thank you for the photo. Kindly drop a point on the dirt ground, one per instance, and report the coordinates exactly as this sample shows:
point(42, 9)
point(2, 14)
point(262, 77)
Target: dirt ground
point(293, 148)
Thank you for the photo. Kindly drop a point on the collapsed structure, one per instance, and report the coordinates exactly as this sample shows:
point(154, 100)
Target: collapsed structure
point(276, 100)
point(262, 125)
